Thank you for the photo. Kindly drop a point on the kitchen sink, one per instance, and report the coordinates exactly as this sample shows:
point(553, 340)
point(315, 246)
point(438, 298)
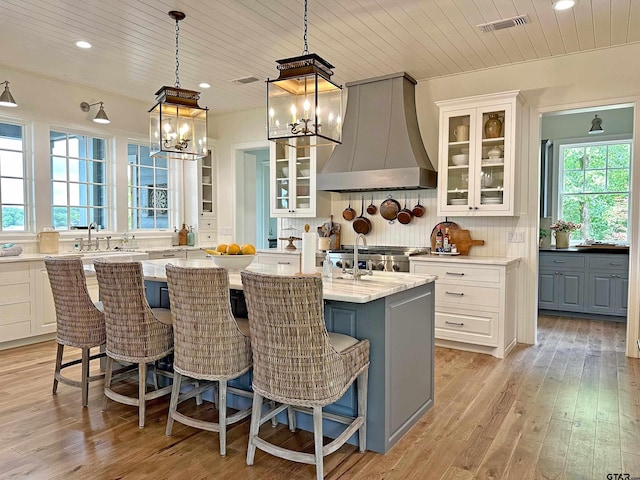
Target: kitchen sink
point(89, 257)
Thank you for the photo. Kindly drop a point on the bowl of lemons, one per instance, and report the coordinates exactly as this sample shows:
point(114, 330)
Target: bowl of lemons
point(233, 257)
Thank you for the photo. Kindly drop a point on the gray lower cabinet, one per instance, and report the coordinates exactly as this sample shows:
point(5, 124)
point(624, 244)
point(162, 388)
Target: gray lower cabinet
point(591, 283)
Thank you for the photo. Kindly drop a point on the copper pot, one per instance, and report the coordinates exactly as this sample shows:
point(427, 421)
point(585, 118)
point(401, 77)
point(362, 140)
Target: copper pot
point(389, 209)
point(372, 209)
point(349, 213)
point(362, 224)
point(419, 210)
point(405, 215)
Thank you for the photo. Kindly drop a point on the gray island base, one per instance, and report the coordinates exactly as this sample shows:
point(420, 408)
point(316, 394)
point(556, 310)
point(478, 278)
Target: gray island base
point(395, 312)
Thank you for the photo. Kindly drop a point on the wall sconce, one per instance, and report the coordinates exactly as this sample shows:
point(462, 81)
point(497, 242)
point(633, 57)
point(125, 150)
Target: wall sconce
point(101, 116)
point(596, 126)
point(6, 99)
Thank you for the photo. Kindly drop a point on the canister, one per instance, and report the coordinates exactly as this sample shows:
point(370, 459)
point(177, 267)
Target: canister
point(49, 241)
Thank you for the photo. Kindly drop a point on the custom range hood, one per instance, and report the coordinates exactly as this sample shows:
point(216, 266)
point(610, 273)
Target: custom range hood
point(381, 144)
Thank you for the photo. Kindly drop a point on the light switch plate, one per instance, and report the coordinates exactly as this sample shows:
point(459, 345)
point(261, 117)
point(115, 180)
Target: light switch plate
point(515, 237)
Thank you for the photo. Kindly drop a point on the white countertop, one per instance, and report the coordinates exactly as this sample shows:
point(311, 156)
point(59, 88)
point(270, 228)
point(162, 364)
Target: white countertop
point(367, 289)
point(465, 259)
point(87, 256)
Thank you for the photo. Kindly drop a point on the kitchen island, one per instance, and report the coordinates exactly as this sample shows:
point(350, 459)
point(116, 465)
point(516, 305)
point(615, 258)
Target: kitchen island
point(394, 311)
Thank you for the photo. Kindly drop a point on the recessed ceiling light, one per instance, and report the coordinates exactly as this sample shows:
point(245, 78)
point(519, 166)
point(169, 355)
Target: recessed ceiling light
point(83, 44)
point(204, 85)
point(563, 4)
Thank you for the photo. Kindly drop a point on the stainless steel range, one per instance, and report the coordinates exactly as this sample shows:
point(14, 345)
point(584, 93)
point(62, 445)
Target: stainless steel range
point(387, 259)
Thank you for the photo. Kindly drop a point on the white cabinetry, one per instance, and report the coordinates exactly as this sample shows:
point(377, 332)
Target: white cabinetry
point(45, 321)
point(275, 258)
point(475, 303)
point(164, 254)
point(293, 180)
point(476, 165)
point(207, 231)
point(17, 300)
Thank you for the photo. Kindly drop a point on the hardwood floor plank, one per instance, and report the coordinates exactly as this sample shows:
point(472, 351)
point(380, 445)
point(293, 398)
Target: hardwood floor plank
point(554, 449)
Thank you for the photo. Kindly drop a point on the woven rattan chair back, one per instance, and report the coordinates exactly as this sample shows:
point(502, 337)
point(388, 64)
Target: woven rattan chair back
point(207, 342)
point(133, 334)
point(79, 323)
point(294, 361)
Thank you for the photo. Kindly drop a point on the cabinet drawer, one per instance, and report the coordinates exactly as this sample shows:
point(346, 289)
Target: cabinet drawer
point(467, 326)
point(15, 273)
point(15, 312)
point(19, 290)
point(275, 259)
point(562, 261)
point(615, 263)
point(466, 295)
point(466, 273)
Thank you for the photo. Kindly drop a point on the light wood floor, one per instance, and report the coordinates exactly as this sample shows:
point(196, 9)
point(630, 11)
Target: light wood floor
point(567, 408)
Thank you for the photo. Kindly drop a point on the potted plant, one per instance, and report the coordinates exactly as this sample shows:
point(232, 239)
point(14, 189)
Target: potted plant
point(563, 230)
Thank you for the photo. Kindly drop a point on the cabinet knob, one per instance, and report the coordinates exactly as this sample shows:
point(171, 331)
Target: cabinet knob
point(470, 207)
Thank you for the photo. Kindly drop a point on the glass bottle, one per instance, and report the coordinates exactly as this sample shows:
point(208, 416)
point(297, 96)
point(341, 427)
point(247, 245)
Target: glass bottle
point(174, 237)
point(182, 235)
point(446, 245)
point(439, 239)
point(191, 237)
point(327, 267)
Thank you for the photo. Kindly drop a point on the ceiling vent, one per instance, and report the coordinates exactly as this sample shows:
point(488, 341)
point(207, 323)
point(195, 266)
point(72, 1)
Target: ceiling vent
point(504, 23)
point(245, 80)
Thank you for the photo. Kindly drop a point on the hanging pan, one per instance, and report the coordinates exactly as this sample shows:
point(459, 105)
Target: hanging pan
point(362, 224)
point(389, 209)
point(419, 210)
point(349, 213)
point(372, 209)
point(405, 215)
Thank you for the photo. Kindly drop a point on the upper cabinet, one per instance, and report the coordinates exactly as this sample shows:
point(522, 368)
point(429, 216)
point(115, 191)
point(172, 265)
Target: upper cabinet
point(293, 180)
point(206, 175)
point(478, 155)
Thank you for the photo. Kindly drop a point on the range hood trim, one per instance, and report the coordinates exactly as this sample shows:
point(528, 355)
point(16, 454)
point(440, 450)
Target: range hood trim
point(382, 146)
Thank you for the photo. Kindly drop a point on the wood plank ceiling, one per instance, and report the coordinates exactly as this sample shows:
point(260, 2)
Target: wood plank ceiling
point(221, 41)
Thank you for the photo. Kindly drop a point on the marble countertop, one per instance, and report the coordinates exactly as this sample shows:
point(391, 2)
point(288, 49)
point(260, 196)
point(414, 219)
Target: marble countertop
point(367, 289)
point(465, 259)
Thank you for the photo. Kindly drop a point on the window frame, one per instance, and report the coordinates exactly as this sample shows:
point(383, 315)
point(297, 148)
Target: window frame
point(109, 159)
point(559, 144)
point(27, 179)
point(170, 190)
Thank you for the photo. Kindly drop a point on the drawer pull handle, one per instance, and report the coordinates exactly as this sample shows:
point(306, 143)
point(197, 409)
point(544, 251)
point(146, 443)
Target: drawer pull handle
point(615, 264)
point(456, 274)
point(284, 263)
point(559, 261)
point(457, 324)
point(454, 293)
point(168, 255)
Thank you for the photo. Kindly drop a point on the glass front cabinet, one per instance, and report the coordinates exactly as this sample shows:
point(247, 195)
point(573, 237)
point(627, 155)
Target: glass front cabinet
point(478, 154)
point(293, 180)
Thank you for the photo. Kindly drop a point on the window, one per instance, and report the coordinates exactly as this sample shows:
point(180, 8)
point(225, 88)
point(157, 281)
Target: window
point(78, 180)
point(12, 178)
point(594, 189)
point(148, 189)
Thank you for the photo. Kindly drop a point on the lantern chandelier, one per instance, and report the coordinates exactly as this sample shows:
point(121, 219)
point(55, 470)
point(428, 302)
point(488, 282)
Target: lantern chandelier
point(177, 125)
point(303, 101)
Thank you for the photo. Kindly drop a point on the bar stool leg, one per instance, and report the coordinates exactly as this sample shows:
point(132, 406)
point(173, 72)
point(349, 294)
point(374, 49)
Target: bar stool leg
point(291, 416)
point(58, 367)
point(107, 381)
point(256, 415)
point(142, 392)
point(222, 417)
point(317, 439)
point(362, 386)
point(85, 377)
point(173, 404)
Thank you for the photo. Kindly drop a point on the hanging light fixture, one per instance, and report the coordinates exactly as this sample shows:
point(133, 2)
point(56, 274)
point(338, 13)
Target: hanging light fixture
point(303, 101)
point(6, 99)
point(177, 125)
point(596, 126)
point(101, 116)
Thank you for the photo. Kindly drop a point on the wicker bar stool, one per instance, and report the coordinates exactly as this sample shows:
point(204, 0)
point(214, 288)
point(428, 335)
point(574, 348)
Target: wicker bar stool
point(209, 344)
point(296, 362)
point(136, 333)
point(79, 321)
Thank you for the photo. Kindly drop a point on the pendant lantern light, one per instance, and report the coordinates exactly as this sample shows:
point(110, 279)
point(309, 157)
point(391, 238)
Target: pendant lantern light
point(303, 101)
point(177, 125)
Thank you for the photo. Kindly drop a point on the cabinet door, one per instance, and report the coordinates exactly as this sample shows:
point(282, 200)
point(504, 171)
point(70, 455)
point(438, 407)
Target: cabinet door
point(547, 290)
point(207, 177)
point(622, 294)
point(457, 151)
point(571, 291)
point(46, 311)
point(601, 294)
